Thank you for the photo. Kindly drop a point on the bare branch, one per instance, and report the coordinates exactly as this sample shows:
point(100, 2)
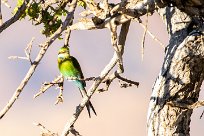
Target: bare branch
point(27, 52)
point(153, 36)
point(109, 79)
point(144, 36)
point(124, 85)
point(127, 80)
point(46, 86)
point(95, 9)
point(114, 43)
point(67, 36)
point(186, 106)
point(59, 82)
point(83, 24)
point(17, 57)
point(117, 19)
point(88, 24)
point(74, 132)
point(18, 14)
point(81, 79)
point(45, 132)
point(38, 59)
point(60, 98)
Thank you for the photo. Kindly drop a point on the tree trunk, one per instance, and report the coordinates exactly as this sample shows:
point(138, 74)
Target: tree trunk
point(180, 78)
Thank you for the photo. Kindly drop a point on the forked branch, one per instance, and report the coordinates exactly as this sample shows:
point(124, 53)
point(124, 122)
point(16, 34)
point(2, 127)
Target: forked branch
point(40, 55)
point(27, 51)
point(16, 17)
point(58, 81)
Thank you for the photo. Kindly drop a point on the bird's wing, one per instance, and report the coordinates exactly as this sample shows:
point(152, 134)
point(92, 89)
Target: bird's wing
point(78, 67)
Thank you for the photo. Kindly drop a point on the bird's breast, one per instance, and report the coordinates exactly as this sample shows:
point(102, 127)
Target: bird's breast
point(67, 69)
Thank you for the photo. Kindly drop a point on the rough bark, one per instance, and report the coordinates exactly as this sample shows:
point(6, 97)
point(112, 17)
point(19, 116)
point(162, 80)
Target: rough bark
point(180, 78)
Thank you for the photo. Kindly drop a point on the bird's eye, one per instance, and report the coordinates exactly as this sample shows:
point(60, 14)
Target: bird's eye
point(61, 52)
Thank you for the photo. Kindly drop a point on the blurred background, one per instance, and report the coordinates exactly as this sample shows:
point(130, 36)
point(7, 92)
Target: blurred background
point(120, 111)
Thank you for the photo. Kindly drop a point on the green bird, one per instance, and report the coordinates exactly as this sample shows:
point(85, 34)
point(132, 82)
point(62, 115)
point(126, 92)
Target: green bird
point(69, 67)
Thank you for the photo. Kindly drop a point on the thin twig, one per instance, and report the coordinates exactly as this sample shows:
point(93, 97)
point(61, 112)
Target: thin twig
point(60, 98)
point(107, 82)
point(27, 51)
point(45, 131)
point(201, 114)
point(46, 85)
point(153, 36)
point(114, 42)
point(109, 79)
point(126, 80)
point(38, 59)
point(144, 36)
point(124, 85)
point(81, 79)
point(17, 57)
